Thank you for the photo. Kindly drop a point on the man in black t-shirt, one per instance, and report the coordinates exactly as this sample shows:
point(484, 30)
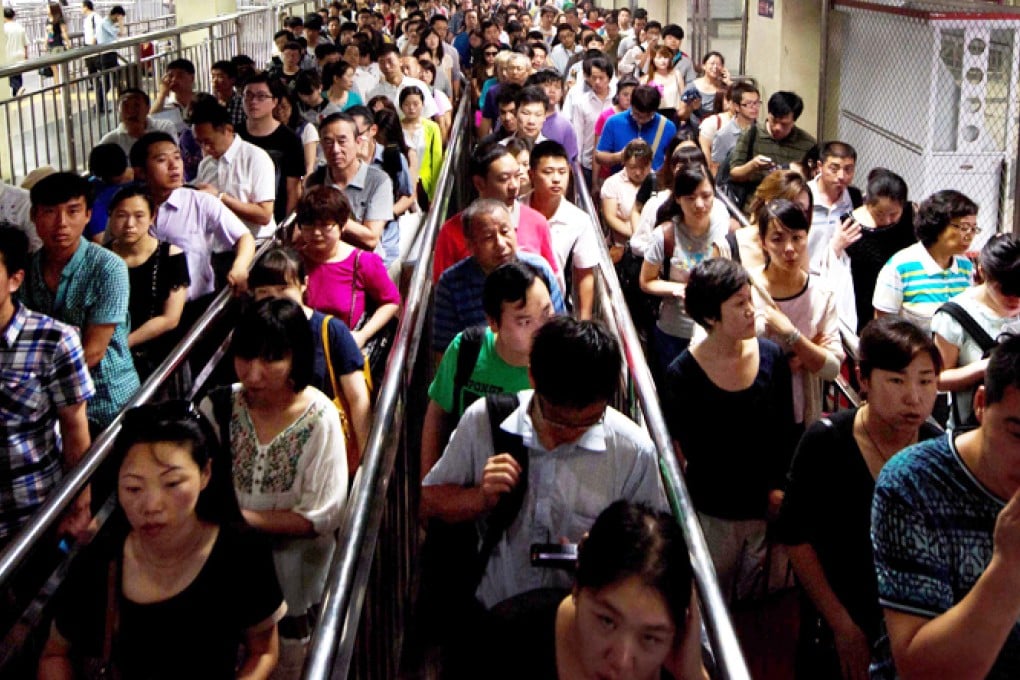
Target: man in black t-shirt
point(281, 143)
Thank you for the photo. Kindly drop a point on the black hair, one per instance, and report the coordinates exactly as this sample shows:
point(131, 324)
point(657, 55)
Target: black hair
point(600, 62)
point(8, 13)
point(13, 248)
point(283, 33)
point(182, 65)
point(883, 183)
point(645, 99)
point(339, 116)
point(263, 78)
point(786, 212)
point(210, 111)
point(1000, 262)
point(273, 329)
point(178, 422)
point(518, 144)
point(333, 70)
point(409, 91)
point(389, 134)
point(653, 25)
point(323, 204)
point(891, 342)
point(685, 183)
point(673, 30)
point(625, 81)
point(324, 49)
point(508, 283)
point(740, 88)
point(228, 67)
point(60, 187)
point(307, 82)
point(548, 148)
point(575, 363)
point(785, 103)
point(634, 540)
point(140, 149)
point(107, 161)
point(134, 91)
point(130, 191)
point(532, 94)
point(484, 156)
point(117, 10)
point(278, 266)
point(543, 76)
point(713, 282)
point(386, 48)
point(835, 149)
point(937, 211)
point(1003, 369)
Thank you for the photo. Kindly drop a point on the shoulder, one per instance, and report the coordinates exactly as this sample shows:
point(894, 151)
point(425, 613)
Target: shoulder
point(626, 429)
point(911, 471)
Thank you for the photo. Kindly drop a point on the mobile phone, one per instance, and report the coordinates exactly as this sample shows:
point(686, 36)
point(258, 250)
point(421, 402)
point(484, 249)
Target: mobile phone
point(846, 216)
point(556, 555)
point(765, 158)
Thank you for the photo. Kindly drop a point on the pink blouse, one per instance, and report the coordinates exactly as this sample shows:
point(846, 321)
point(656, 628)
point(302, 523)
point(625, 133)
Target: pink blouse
point(343, 288)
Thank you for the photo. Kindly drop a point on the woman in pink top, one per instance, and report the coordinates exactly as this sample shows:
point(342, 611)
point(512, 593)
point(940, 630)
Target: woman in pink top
point(347, 282)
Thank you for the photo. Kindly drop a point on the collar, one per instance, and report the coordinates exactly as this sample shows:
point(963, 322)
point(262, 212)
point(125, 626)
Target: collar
point(519, 423)
point(174, 200)
point(14, 326)
point(843, 204)
point(231, 153)
point(930, 266)
point(642, 128)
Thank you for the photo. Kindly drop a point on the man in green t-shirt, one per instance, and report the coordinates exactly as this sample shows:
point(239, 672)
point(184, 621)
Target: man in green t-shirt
point(516, 302)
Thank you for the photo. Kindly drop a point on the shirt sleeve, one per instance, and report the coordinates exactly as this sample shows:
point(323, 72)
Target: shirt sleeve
point(888, 296)
point(293, 160)
point(586, 248)
point(949, 328)
point(607, 140)
point(222, 224)
point(177, 275)
point(378, 284)
point(263, 178)
point(465, 455)
point(69, 379)
point(380, 203)
point(741, 152)
point(656, 250)
point(323, 471)
point(441, 389)
point(114, 290)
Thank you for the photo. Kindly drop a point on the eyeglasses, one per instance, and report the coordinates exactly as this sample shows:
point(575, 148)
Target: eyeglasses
point(965, 227)
point(752, 105)
point(542, 406)
point(256, 96)
point(491, 54)
point(317, 228)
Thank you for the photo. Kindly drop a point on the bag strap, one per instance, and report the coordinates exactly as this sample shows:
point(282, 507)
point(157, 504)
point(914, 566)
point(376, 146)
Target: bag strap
point(329, 359)
point(467, 356)
point(112, 610)
point(658, 135)
point(668, 245)
point(731, 240)
point(970, 326)
point(354, 289)
point(222, 402)
point(499, 408)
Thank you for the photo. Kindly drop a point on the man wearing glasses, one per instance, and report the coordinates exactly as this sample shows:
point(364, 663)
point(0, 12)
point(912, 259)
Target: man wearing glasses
point(580, 456)
point(748, 104)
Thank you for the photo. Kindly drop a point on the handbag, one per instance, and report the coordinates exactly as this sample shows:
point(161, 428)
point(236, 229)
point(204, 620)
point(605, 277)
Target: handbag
point(340, 401)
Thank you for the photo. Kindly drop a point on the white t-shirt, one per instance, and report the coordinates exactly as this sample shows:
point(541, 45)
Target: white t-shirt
point(246, 172)
point(15, 43)
point(572, 229)
point(640, 240)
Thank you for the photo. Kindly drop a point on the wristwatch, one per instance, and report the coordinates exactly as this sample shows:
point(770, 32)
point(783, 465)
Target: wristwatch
point(790, 339)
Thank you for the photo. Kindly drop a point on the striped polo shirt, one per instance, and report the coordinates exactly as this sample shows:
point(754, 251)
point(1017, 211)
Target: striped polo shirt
point(912, 284)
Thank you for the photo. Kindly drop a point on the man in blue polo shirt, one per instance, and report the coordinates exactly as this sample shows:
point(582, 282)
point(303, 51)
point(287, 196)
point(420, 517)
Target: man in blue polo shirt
point(640, 120)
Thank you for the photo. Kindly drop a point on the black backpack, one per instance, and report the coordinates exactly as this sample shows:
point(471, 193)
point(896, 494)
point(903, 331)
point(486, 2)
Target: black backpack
point(986, 342)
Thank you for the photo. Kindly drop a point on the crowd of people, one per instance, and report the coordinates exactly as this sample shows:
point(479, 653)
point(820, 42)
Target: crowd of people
point(546, 516)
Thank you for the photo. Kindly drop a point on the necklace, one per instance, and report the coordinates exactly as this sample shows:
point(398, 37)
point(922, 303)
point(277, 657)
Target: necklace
point(180, 557)
point(867, 432)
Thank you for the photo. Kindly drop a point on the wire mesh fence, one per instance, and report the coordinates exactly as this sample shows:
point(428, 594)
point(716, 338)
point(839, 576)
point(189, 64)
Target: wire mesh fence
point(929, 92)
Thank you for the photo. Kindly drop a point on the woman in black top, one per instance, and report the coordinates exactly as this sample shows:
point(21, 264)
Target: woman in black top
point(826, 514)
point(629, 614)
point(57, 39)
point(887, 227)
point(158, 273)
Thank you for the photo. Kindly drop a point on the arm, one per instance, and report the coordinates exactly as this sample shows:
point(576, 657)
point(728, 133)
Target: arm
point(653, 285)
point(164, 92)
point(455, 503)
point(95, 340)
point(584, 285)
point(237, 277)
point(311, 159)
point(293, 193)
point(609, 158)
point(260, 213)
point(954, 377)
point(75, 440)
point(375, 323)
point(263, 648)
point(435, 432)
point(609, 214)
point(402, 205)
point(851, 643)
point(55, 663)
point(165, 322)
point(485, 128)
point(365, 235)
point(360, 404)
point(286, 522)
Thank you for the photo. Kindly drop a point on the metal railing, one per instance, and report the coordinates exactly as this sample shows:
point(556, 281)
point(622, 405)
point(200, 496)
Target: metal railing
point(60, 123)
point(144, 15)
point(728, 657)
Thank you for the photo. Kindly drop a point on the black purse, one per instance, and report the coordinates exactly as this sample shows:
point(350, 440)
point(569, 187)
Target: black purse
point(103, 668)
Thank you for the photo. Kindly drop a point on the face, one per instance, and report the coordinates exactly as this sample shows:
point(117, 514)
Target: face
point(530, 118)
point(671, 42)
point(625, 630)
point(339, 142)
point(520, 320)
point(320, 240)
point(352, 55)
point(180, 80)
point(471, 20)
point(412, 107)
point(264, 379)
point(221, 82)
point(214, 142)
point(713, 66)
point(557, 425)
point(803, 201)
point(538, 61)
point(133, 109)
point(9, 284)
point(554, 91)
point(749, 106)
point(524, 167)
point(508, 117)
point(637, 170)
point(517, 71)
point(780, 127)
point(698, 206)
point(410, 67)
point(837, 173)
point(785, 247)
point(551, 176)
point(158, 486)
point(567, 39)
point(903, 399)
point(957, 237)
point(130, 220)
point(258, 101)
point(642, 118)
point(599, 81)
point(61, 226)
point(389, 66)
point(1000, 439)
point(493, 241)
point(164, 169)
point(885, 211)
point(501, 181)
point(491, 34)
point(736, 316)
point(283, 111)
point(623, 97)
point(439, 29)
point(347, 79)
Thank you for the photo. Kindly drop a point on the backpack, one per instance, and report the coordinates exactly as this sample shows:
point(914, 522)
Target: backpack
point(467, 356)
point(986, 342)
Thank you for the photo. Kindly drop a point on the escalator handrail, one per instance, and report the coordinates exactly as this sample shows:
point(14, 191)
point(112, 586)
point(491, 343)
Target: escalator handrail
point(61, 497)
point(729, 659)
point(360, 525)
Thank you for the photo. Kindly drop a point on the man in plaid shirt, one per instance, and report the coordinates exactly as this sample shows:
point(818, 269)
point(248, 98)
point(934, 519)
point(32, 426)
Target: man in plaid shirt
point(44, 385)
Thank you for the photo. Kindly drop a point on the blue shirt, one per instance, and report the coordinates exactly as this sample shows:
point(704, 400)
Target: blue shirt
point(43, 369)
point(459, 297)
point(94, 290)
point(462, 43)
point(108, 32)
point(622, 128)
point(931, 527)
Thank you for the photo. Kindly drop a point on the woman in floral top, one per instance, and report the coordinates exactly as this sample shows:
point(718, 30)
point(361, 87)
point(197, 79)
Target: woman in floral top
point(289, 461)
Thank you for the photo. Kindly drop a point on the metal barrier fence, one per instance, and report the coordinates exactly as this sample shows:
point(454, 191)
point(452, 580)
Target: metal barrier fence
point(943, 113)
point(59, 124)
point(142, 16)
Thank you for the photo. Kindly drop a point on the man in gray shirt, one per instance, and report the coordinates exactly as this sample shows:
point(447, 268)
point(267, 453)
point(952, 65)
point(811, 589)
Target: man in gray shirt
point(580, 456)
point(748, 103)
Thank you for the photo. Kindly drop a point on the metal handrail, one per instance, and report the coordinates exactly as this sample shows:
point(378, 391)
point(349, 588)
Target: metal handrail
point(735, 212)
point(729, 658)
point(346, 584)
point(61, 497)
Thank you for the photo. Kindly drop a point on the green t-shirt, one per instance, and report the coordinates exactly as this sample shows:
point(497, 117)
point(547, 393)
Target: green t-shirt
point(492, 375)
